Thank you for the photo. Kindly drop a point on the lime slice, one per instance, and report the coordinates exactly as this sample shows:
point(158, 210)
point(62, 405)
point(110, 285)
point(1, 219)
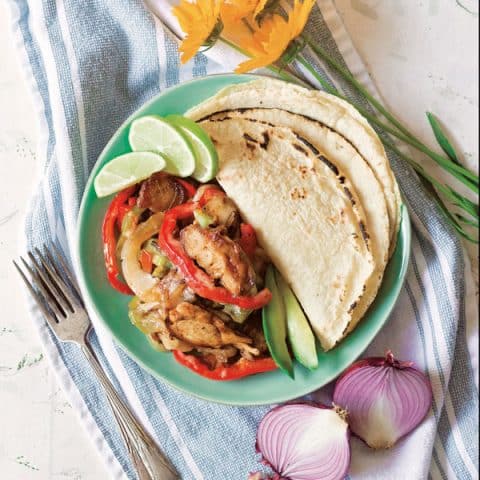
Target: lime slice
point(154, 134)
point(127, 170)
point(206, 158)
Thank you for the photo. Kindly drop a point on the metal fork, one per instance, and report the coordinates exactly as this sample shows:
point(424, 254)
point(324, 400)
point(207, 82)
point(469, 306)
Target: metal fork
point(58, 296)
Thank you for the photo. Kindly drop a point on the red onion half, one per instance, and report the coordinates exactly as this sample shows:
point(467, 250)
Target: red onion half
point(305, 442)
point(385, 399)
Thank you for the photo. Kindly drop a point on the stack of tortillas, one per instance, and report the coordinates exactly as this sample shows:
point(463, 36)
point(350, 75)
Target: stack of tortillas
point(311, 175)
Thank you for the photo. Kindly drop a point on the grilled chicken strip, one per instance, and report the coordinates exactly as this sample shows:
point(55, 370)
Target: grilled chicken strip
point(202, 328)
point(172, 290)
point(223, 211)
point(150, 318)
point(222, 258)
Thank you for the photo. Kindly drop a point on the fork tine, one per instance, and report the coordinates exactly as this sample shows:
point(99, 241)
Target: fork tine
point(42, 284)
point(57, 282)
point(52, 321)
point(52, 287)
point(73, 283)
point(54, 266)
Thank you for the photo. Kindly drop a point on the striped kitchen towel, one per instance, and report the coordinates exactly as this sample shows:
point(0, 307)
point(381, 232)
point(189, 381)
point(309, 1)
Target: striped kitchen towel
point(89, 66)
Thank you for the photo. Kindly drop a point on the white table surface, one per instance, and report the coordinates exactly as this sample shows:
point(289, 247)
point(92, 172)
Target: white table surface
point(423, 54)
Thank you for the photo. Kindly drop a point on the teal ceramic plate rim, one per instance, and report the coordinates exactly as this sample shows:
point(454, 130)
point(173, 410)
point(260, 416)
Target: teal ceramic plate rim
point(110, 307)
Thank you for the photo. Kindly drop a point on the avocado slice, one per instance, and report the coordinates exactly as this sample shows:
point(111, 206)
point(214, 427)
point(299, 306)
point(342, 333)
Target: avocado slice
point(274, 325)
point(300, 334)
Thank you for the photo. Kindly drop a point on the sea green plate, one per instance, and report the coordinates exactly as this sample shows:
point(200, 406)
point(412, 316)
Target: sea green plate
point(111, 307)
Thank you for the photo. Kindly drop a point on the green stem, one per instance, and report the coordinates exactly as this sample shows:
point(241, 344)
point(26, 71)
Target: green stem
point(428, 180)
point(374, 120)
point(421, 171)
point(326, 86)
point(387, 128)
point(412, 140)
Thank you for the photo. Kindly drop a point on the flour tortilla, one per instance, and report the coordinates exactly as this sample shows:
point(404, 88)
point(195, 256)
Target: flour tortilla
point(349, 164)
point(308, 219)
point(331, 111)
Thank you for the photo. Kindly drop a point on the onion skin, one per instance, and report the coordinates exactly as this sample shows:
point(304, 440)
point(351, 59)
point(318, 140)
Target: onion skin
point(299, 444)
point(385, 399)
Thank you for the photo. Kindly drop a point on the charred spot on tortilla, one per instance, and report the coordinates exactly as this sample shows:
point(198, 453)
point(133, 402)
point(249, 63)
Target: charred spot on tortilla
point(329, 164)
point(226, 117)
point(349, 195)
point(250, 142)
point(308, 144)
point(298, 193)
point(266, 140)
point(303, 171)
point(341, 179)
point(354, 304)
point(365, 234)
point(249, 138)
point(298, 147)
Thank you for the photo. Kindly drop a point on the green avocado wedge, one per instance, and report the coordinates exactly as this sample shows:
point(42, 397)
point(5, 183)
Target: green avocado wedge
point(274, 325)
point(300, 334)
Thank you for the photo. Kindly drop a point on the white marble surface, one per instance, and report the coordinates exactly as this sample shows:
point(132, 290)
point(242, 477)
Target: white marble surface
point(423, 55)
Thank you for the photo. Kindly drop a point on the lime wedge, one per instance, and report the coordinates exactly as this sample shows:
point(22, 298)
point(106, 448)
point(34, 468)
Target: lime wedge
point(127, 170)
point(154, 134)
point(206, 158)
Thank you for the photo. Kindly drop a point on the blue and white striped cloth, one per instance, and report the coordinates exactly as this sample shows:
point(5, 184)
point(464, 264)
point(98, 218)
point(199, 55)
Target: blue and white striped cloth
point(89, 66)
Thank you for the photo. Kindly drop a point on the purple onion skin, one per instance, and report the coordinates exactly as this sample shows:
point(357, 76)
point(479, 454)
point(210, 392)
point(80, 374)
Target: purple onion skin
point(353, 393)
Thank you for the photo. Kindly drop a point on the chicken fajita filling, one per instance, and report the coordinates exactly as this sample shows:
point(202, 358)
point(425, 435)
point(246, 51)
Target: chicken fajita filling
point(196, 273)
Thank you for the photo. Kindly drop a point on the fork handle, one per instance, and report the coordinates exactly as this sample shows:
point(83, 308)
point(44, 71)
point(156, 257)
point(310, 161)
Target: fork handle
point(149, 461)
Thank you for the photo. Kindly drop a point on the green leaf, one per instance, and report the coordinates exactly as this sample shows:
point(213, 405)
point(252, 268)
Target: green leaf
point(468, 221)
point(464, 203)
point(454, 221)
point(442, 138)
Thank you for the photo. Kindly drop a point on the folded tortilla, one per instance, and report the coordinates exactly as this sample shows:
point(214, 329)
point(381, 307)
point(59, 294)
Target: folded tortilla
point(331, 282)
point(306, 216)
point(349, 164)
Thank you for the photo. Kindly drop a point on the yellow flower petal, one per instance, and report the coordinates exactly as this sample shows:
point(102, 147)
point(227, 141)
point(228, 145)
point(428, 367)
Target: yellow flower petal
point(259, 8)
point(197, 21)
point(233, 11)
point(270, 40)
point(299, 16)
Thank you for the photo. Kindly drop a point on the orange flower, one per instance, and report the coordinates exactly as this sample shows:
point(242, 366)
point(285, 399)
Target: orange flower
point(198, 20)
point(268, 43)
point(233, 11)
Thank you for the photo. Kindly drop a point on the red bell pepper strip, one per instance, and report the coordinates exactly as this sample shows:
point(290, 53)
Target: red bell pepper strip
point(190, 190)
point(146, 261)
point(201, 283)
point(208, 194)
point(248, 239)
point(241, 368)
point(110, 241)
